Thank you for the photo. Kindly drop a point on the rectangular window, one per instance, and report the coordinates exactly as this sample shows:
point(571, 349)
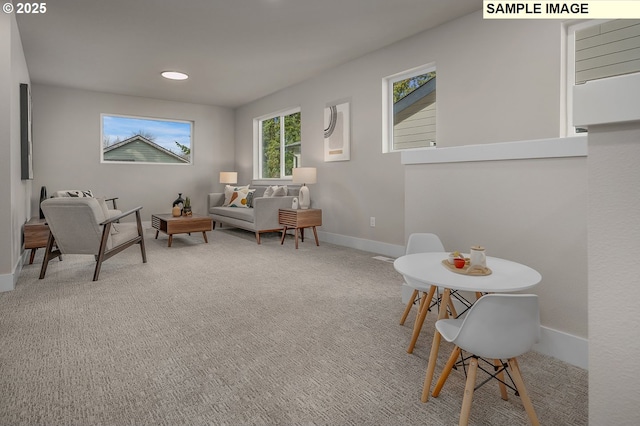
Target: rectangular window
point(128, 139)
point(599, 49)
point(279, 144)
point(409, 109)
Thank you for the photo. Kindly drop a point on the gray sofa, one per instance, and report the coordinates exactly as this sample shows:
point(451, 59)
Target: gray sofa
point(262, 217)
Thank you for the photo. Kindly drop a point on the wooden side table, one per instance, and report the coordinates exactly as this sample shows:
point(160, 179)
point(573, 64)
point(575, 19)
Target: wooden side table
point(299, 219)
point(36, 235)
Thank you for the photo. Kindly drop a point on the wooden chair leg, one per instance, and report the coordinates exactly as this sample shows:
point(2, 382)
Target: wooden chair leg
point(409, 305)
point(452, 309)
point(435, 347)
point(49, 254)
point(423, 302)
point(101, 252)
point(141, 234)
point(447, 370)
point(468, 392)
point(424, 308)
point(258, 237)
point(522, 390)
point(503, 389)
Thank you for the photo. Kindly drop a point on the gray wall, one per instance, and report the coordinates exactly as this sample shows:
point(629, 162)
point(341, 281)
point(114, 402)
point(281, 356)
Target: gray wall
point(14, 192)
point(614, 235)
point(67, 152)
point(498, 81)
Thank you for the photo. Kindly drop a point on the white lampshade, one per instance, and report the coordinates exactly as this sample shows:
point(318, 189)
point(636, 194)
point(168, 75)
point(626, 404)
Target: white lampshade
point(304, 175)
point(228, 177)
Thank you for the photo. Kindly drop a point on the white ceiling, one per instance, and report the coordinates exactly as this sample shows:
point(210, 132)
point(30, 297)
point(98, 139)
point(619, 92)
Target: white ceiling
point(235, 51)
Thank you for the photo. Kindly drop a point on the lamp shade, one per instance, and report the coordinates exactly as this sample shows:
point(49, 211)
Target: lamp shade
point(304, 175)
point(228, 177)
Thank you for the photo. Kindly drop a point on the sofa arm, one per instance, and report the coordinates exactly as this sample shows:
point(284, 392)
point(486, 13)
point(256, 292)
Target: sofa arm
point(266, 211)
point(215, 199)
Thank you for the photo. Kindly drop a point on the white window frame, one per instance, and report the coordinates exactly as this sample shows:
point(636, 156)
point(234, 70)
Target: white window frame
point(257, 143)
point(387, 103)
point(569, 47)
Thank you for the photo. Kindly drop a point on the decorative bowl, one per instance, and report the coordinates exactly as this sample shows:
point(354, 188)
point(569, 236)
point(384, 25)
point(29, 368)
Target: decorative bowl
point(459, 262)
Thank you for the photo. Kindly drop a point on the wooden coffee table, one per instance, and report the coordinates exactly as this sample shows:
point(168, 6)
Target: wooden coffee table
point(181, 225)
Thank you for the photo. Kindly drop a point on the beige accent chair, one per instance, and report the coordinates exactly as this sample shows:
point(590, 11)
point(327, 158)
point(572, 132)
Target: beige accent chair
point(83, 226)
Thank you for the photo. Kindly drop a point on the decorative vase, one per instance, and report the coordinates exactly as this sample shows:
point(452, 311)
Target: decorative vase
point(179, 201)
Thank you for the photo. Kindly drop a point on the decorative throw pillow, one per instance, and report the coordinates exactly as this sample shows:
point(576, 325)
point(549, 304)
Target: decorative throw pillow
point(105, 212)
point(275, 191)
point(280, 191)
point(250, 198)
point(73, 193)
point(229, 190)
point(239, 198)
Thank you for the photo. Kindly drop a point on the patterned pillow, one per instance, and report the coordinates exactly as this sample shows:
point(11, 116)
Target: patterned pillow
point(250, 198)
point(73, 193)
point(229, 190)
point(239, 198)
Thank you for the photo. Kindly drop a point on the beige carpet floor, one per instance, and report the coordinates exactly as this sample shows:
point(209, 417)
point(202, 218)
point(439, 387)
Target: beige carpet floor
point(235, 333)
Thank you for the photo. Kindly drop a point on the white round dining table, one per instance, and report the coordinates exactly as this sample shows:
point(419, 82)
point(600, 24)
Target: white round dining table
point(506, 276)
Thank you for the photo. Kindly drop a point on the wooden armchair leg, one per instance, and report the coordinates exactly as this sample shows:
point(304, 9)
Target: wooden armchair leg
point(141, 234)
point(101, 253)
point(49, 254)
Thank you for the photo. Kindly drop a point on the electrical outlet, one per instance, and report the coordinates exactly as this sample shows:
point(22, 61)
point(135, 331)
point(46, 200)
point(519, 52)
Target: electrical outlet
point(372, 222)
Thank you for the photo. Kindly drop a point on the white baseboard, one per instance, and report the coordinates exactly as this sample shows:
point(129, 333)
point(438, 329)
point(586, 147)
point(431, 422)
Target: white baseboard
point(391, 250)
point(8, 281)
point(566, 347)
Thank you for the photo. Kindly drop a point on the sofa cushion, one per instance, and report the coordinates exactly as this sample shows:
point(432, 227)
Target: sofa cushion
point(276, 191)
point(239, 198)
point(229, 190)
point(235, 213)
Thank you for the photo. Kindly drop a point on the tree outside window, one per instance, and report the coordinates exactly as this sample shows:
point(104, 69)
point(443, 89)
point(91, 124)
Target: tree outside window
point(280, 145)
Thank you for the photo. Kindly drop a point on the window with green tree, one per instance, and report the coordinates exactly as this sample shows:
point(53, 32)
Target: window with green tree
point(279, 144)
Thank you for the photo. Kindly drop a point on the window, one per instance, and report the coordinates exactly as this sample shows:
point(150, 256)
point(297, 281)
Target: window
point(127, 139)
point(278, 140)
point(599, 49)
point(409, 110)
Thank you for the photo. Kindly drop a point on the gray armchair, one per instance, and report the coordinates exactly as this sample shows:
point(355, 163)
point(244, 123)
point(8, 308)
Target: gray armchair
point(83, 226)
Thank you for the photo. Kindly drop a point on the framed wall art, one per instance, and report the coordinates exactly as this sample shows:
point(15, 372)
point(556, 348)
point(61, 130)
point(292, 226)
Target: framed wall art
point(26, 133)
point(337, 132)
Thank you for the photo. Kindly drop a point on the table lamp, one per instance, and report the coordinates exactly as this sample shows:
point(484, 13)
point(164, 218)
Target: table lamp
point(304, 175)
point(228, 177)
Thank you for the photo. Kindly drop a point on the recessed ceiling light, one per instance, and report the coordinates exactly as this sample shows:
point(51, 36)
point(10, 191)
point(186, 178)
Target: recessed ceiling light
point(174, 75)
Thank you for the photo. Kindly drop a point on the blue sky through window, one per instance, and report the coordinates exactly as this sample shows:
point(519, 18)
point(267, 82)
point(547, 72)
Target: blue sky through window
point(165, 132)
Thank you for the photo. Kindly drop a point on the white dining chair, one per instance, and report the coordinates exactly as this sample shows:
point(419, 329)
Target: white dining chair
point(497, 327)
point(420, 243)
